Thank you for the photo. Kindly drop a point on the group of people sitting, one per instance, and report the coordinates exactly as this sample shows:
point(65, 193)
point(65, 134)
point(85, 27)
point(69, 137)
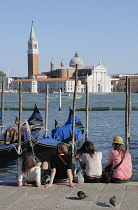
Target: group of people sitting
point(90, 161)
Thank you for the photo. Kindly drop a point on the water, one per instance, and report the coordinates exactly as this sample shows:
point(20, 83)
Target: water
point(103, 125)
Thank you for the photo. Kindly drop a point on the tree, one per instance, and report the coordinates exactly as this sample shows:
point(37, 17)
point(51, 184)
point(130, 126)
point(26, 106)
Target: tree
point(2, 74)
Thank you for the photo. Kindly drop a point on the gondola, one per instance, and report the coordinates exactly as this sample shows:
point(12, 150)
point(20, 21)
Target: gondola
point(60, 134)
point(9, 140)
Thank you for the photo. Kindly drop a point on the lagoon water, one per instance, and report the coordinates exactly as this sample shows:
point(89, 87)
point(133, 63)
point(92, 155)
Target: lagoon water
point(103, 125)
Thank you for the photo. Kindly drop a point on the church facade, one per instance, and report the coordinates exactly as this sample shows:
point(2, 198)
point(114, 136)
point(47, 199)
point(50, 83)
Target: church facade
point(99, 81)
point(97, 78)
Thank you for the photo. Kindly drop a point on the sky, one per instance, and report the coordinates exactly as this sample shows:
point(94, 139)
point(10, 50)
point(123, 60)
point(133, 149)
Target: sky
point(105, 30)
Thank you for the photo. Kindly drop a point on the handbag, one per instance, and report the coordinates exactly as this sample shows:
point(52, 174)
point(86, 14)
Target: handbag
point(107, 172)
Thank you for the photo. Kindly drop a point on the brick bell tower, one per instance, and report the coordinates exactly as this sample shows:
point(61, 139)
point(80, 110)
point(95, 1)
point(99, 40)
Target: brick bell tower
point(33, 54)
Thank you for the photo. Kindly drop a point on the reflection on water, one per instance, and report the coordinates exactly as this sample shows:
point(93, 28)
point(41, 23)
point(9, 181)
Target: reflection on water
point(103, 125)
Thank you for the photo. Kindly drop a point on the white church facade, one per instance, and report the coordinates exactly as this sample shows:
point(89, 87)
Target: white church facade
point(96, 76)
point(99, 81)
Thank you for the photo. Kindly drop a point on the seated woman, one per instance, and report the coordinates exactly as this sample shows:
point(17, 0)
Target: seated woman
point(124, 171)
point(61, 166)
point(91, 160)
point(29, 170)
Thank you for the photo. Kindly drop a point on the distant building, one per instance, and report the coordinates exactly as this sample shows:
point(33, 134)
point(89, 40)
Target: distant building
point(60, 72)
point(96, 76)
point(76, 60)
point(33, 54)
point(119, 82)
point(121, 85)
point(55, 85)
point(34, 85)
point(7, 83)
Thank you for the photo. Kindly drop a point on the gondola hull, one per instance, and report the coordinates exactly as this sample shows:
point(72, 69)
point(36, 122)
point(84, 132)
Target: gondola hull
point(48, 148)
point(61, 134)
point(10, 150)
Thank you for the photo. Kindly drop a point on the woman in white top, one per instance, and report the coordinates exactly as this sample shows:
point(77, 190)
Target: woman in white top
point(90, 160)
point(29, 170)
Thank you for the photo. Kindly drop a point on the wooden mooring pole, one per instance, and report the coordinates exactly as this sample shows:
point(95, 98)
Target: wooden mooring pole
point(74, 108)
point(60, 106)
point(87, 112)
point(20, 117)
point(46, 109)
point(2, 107)
point(129, 108)
point(127, 113)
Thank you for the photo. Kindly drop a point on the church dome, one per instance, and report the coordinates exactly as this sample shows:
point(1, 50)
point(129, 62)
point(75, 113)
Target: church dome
point(76, 60)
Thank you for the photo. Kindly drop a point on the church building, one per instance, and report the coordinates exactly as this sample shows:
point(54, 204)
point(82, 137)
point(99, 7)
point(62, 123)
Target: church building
point(96, 76)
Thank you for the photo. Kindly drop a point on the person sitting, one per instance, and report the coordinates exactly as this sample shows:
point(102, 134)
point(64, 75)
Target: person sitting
point(124, 171)
point(29, 170)
point(61, 166)
point(90, 160)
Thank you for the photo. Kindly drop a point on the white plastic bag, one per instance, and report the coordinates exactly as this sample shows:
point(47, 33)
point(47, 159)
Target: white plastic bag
point(78, 175)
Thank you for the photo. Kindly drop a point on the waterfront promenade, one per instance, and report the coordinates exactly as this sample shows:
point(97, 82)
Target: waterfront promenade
point(61, 196)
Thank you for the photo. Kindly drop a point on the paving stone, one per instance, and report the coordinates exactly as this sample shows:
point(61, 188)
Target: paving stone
point(4, 207)
point(61, 196)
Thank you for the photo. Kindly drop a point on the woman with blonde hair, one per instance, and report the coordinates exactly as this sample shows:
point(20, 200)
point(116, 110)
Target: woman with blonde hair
point(29, 170)
point(91, 160)
point(122, 157)
point(61, 166)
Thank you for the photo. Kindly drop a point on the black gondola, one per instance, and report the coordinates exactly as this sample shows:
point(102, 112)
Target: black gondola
point(9, 140)
point(60, 134)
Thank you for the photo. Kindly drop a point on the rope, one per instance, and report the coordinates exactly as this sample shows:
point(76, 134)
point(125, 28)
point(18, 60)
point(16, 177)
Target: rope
point(31, 144)
point(16, 149)
point(44, 129)
point(84, 129)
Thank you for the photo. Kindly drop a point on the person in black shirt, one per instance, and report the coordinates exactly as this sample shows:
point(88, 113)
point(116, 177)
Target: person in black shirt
point(61, 166)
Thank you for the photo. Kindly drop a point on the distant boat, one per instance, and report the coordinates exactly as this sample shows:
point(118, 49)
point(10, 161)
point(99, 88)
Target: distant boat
point(10, 91)
point(70, 96)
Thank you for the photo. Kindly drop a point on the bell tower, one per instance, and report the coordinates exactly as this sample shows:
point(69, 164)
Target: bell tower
point(33, 54)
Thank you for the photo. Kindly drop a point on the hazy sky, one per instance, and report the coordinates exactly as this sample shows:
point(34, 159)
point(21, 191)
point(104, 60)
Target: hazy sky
point(105, 30)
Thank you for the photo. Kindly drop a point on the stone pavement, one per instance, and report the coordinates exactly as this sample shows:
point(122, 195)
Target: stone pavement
point(61, 196)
